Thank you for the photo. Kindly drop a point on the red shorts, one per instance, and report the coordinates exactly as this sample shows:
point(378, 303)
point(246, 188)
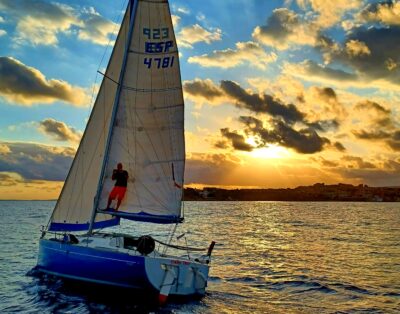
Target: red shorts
point(118, 192)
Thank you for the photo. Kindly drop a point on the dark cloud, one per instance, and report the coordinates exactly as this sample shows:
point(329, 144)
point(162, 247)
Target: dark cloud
point(285, 28)
point(285, 123)
point(328, 163)
point(358, 162)
point(311, 68)
point(6, 180)
point(394, 144)
point(371, 177)
point(203, 88)
point(280, 24)
point(339, 146)
point(396, 136)
point(381, 116)
point(304, 141)
point(392, 139)
point(261, 103)
point(60, 131)
point(370, 52)
point(371, 135)
point(324, 125)
point(209, 168)
point(355, 168)
point(384, 45)
point(251, 122)
point(325, 43)
point(223, 144)
point(327, 93)
point(27, 85)
point(237, 140)
point(37, 162)
point(392, 165)
point(328, 104)
point(382, 125)
point(265, 104)
point(371, 105)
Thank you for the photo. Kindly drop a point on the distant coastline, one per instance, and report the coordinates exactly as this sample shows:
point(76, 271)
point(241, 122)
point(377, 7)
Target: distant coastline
point(317, 192)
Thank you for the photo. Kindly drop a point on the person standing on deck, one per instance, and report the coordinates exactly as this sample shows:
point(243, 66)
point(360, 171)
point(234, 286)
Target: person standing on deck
point(121, 178)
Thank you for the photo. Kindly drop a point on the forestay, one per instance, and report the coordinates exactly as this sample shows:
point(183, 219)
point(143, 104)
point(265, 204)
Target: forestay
point(75, 204)
point(148, 131)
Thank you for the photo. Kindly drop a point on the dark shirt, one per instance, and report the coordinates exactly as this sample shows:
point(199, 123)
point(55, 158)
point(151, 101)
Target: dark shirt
point(121, 177)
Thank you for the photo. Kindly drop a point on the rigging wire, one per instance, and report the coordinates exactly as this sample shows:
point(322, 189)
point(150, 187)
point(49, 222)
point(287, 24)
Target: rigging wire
point(168, 244)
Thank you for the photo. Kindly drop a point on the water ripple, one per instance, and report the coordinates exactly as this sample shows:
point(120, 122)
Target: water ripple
point(271, 257)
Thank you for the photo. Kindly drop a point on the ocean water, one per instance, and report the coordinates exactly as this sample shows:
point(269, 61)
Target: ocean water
point(270, 257)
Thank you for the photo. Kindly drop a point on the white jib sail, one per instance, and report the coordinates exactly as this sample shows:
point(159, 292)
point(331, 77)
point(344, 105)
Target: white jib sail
point(75, 204)
point(148, 131)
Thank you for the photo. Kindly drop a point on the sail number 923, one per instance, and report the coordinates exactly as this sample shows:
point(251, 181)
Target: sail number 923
point(156, 33)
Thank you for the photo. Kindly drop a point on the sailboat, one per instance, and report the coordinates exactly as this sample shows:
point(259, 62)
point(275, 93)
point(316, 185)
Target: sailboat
point(136, 128)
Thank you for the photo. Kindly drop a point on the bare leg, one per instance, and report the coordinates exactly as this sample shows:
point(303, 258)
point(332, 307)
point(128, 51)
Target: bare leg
point(118, 203)
point(109, 202)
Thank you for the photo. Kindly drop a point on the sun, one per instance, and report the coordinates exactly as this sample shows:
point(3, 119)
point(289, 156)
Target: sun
point(272, 151)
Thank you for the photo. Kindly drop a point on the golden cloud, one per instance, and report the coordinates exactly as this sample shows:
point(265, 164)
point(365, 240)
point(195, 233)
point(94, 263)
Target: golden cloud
point(39, 31)
point(190, 35)
point(356, 48)
point(386, 12)
point(13, 186)
point(285, 28)
point(41, 22)
point(245, 52)
point(96, 28)
point(26, 85)
point(4, 149)
point(330, 12)
point(203, 91)
point(60, 131)
point(175, 20)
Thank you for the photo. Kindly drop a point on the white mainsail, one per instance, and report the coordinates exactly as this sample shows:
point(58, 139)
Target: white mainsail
point(137, 120)
point(148, 135)
point(75, 204)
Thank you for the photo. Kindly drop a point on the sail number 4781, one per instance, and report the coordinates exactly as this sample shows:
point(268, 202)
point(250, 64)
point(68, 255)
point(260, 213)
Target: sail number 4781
point(165, 62)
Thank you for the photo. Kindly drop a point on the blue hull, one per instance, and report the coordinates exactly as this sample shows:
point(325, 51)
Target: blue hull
point(92, 265)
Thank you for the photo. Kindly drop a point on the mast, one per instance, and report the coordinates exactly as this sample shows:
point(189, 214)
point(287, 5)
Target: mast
point(132, 6)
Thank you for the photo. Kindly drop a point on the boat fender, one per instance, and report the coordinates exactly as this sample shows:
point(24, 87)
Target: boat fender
point(70, 238)
point(146, 245)
point(73, 239)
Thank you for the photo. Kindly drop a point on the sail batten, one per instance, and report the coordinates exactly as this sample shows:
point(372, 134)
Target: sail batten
point(148, 90)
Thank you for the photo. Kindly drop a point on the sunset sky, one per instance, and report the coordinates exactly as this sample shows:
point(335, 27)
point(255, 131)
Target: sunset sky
point(277, 93)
